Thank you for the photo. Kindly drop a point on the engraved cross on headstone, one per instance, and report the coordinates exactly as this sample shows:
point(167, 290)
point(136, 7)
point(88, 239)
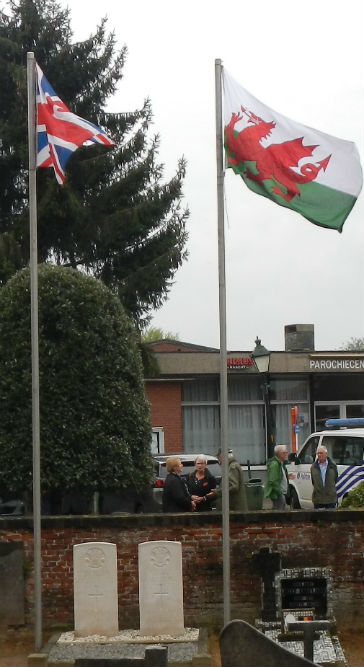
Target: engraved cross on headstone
point(94, 597)
point(160, 590)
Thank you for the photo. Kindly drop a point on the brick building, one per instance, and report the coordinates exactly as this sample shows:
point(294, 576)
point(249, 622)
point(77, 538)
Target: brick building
point(184, 398)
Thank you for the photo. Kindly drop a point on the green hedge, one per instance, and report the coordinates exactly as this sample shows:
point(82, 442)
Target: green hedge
point(95, 430)
point(355, 498)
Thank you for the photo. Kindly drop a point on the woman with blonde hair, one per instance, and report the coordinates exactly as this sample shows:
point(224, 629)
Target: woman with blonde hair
point(200, 483)
point(176, 497)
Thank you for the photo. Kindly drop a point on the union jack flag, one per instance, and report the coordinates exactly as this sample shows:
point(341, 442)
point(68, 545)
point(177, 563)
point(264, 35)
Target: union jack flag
point(59, 131)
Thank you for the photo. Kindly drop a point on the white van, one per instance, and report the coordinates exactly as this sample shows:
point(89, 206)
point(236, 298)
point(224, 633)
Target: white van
point(345, 446)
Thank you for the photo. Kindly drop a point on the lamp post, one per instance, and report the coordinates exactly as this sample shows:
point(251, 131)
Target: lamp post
point(261, 357)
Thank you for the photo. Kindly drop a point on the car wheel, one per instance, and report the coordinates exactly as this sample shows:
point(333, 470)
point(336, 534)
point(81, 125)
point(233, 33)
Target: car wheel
point(294, 502)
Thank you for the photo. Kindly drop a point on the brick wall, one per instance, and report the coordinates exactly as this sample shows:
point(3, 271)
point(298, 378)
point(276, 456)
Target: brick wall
point(317, 539)
point(165, 410)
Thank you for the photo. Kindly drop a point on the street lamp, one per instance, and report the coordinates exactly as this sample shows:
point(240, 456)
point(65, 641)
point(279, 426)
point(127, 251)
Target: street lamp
point(261, 357)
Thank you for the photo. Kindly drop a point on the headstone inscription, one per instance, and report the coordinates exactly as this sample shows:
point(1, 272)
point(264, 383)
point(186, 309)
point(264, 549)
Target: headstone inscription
point(305, 593)
point(161, 588)
point(11, 583)
point(304, 589)
point(95, 589)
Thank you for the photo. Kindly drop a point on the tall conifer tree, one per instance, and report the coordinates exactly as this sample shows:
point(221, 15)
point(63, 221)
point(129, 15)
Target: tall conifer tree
point(114, 217)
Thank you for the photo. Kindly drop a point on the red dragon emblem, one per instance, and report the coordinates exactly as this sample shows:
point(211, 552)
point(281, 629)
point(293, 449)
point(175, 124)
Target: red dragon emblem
point(275, 162)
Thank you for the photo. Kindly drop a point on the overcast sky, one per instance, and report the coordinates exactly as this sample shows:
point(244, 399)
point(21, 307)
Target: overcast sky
point(306, 60)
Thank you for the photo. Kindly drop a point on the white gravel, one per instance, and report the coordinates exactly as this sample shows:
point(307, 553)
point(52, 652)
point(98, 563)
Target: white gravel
point(127, 637)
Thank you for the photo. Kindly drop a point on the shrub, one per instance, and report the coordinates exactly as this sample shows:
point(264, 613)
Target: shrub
point(94, 417)
point(355, 498)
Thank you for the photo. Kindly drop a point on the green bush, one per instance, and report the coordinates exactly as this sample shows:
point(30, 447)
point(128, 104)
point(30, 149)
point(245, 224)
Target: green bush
point(355, 498)
point(95, 430)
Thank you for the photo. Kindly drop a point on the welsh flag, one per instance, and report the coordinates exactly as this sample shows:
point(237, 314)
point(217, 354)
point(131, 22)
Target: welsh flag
point(296, 166)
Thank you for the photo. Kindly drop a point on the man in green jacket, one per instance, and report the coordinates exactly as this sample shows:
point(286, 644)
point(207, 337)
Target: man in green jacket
point(276, 486)
point(237, 496)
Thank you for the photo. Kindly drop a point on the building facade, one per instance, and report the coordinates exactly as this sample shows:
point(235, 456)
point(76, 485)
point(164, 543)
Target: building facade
point(312, 385)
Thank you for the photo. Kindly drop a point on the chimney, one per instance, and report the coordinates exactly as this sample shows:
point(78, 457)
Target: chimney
point(299, 337)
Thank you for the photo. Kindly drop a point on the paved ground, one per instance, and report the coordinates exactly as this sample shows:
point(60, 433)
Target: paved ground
point(15, 655)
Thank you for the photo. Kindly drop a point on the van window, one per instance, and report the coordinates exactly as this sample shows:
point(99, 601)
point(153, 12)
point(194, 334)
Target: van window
point(344, 450)
point(308, 454)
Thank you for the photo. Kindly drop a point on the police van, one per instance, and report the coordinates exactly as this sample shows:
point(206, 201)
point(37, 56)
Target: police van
point(344, 441)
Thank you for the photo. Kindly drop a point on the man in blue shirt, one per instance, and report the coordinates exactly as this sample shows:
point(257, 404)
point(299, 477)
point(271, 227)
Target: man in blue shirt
point(323, 476)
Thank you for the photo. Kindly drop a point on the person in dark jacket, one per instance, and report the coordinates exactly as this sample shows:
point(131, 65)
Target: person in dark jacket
point(176, 497)
point(237, 496)
point(200, 482)
point(323, 476)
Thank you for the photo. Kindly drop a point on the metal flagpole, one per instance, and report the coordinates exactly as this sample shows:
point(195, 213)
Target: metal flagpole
point(223, 352)
point(35, 350)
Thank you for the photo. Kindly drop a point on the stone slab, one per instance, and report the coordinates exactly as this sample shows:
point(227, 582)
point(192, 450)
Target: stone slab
point(183, 651)
point(95, 589)
point(11, 583)
point(155, 656)
point(160, 588)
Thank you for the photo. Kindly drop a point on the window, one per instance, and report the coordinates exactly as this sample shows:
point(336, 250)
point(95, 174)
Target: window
point(198, 391)
point(335, 410)
point(308, 454)
point(282, 421)
point(284, 395)
point(244, 389)
point(157, 443)
point(344, 450)
point(201, 429)
point(247, 433)
point(289, 390)
point(246, 414)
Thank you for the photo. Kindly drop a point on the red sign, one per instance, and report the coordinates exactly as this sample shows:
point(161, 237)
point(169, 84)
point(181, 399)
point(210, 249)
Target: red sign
point(239, 362)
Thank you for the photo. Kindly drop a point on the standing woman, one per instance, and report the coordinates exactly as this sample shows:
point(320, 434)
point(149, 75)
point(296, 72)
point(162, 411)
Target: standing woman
point(176, 497)
point(200, 483)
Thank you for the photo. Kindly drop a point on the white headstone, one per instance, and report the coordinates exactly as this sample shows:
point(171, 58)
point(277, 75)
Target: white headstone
point(161, 588)
point(95, 589)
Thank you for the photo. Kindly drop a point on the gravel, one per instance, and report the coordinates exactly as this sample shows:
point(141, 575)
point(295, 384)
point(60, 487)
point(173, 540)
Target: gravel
point(126, 644)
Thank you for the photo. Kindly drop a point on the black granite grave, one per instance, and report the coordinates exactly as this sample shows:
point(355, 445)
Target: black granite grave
point(297, 614)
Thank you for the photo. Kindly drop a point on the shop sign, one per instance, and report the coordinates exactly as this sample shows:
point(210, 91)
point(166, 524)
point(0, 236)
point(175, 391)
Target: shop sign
point(336, 364)
point(239, 362)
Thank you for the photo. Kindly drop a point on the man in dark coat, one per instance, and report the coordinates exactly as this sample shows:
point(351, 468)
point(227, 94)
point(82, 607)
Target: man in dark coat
point(323, 476)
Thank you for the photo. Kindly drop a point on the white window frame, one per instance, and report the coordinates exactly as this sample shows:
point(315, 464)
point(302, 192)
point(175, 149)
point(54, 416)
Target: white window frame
point(158, 437)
